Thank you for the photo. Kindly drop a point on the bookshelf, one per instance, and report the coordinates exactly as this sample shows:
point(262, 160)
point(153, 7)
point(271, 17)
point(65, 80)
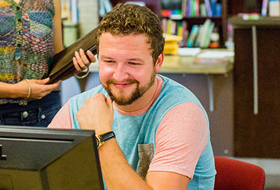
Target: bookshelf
point(220, 21)
point(229, 8)
point(199, 17)
point(154, 5)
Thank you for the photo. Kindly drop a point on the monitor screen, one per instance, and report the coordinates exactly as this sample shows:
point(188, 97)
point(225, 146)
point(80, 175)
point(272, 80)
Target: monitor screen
point(45, 159)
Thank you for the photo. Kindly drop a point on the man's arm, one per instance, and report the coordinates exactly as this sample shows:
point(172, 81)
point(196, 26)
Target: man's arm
point(97, 113)
point(180, 139)
point(62, 119)
point(115, 169)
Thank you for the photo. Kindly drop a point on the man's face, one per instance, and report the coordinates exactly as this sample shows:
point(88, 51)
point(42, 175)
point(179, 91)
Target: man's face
point(126, 67)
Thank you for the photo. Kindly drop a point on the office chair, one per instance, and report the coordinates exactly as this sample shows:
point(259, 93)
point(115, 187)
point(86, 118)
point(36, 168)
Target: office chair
point(233, 174)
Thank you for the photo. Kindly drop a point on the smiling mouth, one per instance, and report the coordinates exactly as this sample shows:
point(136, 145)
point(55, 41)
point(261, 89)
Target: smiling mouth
point(122, 85)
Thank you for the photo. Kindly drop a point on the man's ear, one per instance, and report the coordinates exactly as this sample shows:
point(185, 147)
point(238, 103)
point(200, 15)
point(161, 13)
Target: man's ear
point(159, 62)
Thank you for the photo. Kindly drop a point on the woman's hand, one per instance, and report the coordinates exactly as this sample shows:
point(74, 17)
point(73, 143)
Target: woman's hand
point(81, 62)
point(38, 88)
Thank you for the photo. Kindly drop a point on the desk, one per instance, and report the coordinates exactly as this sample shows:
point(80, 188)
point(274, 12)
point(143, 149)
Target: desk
point(185, 64)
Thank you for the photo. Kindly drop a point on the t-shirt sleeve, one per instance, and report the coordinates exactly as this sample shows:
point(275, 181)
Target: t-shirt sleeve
point(62, 119)
point(180, 139)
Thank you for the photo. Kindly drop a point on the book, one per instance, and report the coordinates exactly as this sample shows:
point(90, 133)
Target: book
point(264, 7)
point(62, 65)
point(202, 10)
point(192, 8)
point(218, 9)
point(208, 35)
point(192, 36)
point(208, 8)
point(198, 39)
point(196, 7)
point(213, 4)
point(274, 8)
point(164, 25)
point(184, 7)
point(185, 33)
point(204, 32)
point(179, 29)
point(188, 8)
point(169, 26)
point(174, 28)
point(171, 44)
point(205, 36)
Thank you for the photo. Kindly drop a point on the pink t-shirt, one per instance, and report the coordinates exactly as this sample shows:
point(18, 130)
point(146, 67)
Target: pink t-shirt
point(180, 139)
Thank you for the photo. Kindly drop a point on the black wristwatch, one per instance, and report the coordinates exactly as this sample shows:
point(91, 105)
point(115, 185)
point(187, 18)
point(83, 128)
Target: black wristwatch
point(100, 139)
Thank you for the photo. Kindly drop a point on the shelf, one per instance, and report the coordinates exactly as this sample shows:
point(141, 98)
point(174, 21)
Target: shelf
point(204, 17)
point(239, 22)
point(195, 18)
point(220, 21)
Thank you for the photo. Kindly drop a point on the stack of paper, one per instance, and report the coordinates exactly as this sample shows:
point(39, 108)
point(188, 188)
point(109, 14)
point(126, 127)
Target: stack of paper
point(216, 54)
point(171, 44)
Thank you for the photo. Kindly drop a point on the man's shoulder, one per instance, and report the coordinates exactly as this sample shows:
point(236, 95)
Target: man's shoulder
point(171, 88)
point(88, 94)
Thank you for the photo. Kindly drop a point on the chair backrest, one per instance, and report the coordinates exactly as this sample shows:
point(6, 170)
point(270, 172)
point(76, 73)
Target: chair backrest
point(234, 174)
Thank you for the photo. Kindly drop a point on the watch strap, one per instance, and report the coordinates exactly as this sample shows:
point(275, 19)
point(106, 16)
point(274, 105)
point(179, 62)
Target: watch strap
point(107, 136)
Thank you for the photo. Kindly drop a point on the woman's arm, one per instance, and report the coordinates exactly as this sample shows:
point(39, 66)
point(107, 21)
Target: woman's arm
point(57, 38)
point(38, 89)
point(80, 60)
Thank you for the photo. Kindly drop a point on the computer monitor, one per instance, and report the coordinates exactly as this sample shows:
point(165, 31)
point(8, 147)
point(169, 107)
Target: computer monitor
point(35, 158)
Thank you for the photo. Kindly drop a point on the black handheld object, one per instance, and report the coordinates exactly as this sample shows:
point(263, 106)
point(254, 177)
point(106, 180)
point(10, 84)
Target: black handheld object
point(62, 65)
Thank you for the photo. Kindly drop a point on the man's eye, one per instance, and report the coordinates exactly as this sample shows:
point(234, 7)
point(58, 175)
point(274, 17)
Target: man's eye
point(108, 61)
point(133, 63)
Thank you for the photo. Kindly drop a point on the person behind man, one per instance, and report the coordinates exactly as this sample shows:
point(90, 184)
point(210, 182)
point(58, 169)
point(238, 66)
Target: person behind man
point(161, 129)
point(30, 35)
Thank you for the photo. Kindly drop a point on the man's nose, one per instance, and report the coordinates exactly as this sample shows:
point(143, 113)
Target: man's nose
point(120, 72)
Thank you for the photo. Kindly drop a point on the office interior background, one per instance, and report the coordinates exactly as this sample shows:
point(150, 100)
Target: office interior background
point(242, 105)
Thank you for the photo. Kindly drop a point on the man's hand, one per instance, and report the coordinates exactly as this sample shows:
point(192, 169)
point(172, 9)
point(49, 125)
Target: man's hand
point(81, 62)
point(97, 114)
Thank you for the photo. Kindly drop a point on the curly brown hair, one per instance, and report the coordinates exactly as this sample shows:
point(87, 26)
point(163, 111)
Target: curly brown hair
point(126, 19)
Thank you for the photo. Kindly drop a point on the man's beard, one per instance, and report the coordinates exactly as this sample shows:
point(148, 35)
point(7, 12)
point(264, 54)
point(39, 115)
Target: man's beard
point(137, 93)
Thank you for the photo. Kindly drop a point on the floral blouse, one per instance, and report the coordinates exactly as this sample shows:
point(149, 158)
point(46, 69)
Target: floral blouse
point(26, 41)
